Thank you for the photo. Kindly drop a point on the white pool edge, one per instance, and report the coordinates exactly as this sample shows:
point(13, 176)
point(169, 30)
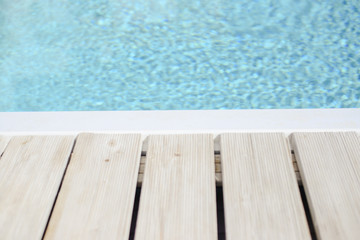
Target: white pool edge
point(198, 121)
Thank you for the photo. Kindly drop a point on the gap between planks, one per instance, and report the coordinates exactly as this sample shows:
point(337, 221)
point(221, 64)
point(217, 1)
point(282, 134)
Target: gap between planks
point(4, 140)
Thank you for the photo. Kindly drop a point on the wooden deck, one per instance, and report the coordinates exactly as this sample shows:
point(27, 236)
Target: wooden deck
point(184, 186)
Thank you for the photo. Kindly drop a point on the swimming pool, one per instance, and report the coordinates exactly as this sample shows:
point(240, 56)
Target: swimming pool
point(187, 54)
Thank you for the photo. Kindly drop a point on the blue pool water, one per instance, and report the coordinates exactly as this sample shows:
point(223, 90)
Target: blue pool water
point(184, 54)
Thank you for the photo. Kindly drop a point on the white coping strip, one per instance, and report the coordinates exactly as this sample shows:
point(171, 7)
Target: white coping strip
point(194, 121)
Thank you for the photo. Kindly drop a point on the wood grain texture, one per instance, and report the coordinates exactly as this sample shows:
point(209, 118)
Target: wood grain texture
point(3, 143)
point(217, 169)
point(329, 165)
point(178, 197)
point(98, 191)
point(261, 195)
point(31, 170)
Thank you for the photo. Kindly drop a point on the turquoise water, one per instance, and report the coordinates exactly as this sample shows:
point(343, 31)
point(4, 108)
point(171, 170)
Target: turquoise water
point(185, 54)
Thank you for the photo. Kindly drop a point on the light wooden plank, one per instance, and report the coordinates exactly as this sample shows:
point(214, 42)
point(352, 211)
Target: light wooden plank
point(98, 191)
point(216, 145)
point(329, 165)
point(178, 196)
point(31, 170)
point(261, 195)
point(3, 143)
